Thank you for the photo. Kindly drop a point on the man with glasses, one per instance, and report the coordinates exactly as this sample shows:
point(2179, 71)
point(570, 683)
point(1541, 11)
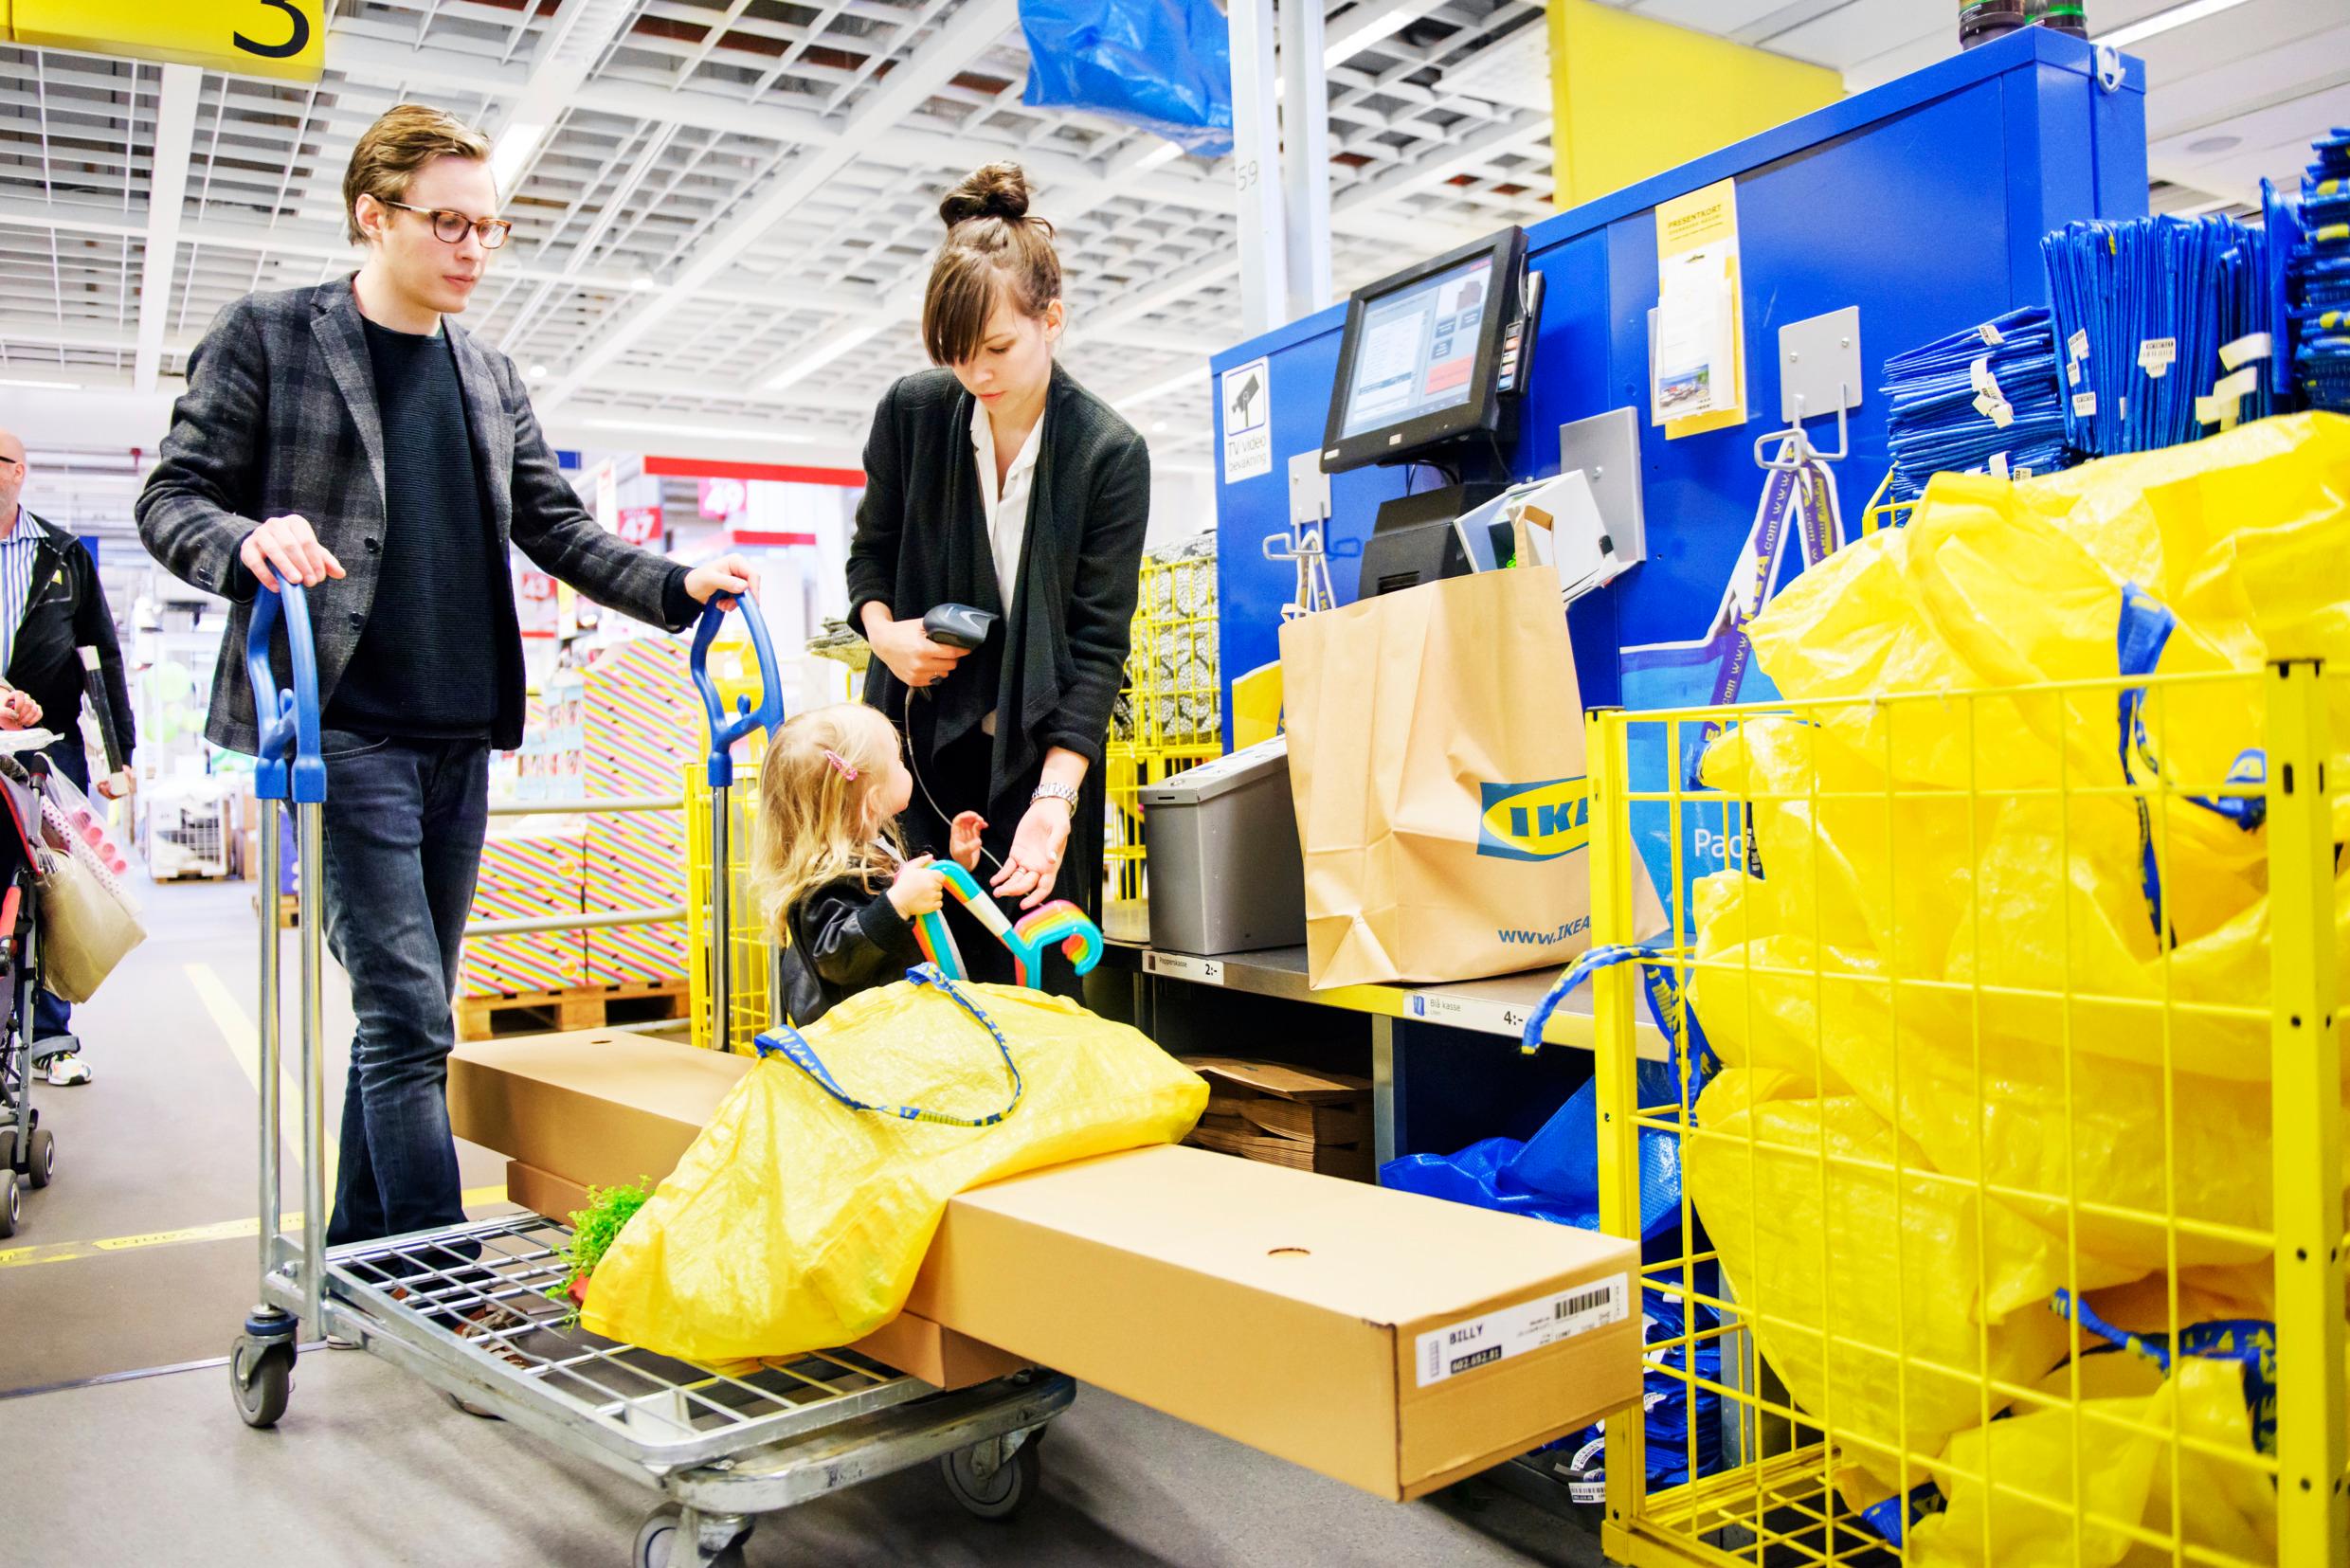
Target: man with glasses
point(51, 608)
point(350, 438)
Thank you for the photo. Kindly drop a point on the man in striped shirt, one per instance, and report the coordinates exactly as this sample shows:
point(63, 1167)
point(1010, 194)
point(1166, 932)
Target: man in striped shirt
point(50, 609)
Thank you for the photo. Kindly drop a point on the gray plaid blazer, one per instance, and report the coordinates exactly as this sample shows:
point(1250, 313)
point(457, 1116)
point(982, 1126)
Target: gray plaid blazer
point(280, 418)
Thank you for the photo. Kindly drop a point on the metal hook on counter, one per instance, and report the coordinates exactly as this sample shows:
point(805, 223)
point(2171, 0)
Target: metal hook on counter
point(1797, 451)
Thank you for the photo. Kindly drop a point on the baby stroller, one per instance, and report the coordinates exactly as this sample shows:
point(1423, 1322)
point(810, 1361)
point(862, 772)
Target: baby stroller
point(28, 1149)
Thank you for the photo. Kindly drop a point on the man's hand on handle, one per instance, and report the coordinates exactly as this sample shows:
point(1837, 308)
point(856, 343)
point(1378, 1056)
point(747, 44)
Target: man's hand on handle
point(117, 784)
point(289, 547)
point(728, 575)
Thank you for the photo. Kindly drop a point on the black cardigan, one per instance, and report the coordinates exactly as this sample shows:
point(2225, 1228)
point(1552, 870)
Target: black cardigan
point(1051, 669)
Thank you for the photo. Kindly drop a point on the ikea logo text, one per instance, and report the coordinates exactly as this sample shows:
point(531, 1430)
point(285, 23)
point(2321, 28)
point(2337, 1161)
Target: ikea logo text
point(1534, 821)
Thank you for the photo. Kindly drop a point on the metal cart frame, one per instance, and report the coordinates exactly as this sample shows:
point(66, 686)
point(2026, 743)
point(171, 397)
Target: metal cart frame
point(472, 1308)
point(28, 1149)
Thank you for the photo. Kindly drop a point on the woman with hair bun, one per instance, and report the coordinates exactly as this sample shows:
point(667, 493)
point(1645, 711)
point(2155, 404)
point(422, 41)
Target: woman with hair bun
point(996, 481)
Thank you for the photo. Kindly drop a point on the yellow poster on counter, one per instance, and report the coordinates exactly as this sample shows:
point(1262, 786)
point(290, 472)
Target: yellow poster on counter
point(273, 38)
point(1698, 369)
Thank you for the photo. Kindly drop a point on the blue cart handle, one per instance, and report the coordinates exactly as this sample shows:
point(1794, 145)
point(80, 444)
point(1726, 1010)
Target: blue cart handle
point(724, 733)
point(287, 721)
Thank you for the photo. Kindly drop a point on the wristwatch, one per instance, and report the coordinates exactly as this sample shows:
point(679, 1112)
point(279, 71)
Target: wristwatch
point(1065, 794)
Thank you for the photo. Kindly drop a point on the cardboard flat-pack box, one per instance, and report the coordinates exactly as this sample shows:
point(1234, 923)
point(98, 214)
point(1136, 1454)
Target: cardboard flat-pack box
point(599, 1105)
point(1393, 1341)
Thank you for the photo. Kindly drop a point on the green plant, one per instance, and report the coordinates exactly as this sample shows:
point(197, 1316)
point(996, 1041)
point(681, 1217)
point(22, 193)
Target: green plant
point(593, 1231)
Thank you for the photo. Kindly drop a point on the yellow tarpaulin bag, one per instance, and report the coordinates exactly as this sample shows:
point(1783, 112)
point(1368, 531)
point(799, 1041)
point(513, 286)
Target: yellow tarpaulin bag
point(798, 1219)
point(1972, 946)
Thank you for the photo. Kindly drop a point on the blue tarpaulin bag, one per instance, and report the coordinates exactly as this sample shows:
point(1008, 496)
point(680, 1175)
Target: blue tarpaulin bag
point(1165, 65)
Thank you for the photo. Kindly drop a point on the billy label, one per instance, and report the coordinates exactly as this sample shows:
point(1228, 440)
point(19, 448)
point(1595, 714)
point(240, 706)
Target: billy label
point(1461, 1348)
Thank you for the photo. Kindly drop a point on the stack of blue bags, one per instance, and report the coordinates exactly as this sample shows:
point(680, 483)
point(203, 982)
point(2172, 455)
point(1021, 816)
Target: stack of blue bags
point(1986, 400)
point(2160, 323)
point(2318, 273)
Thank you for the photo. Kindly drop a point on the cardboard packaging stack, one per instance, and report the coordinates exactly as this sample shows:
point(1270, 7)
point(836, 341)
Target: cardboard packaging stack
point(530, 866)
point(640, 726)
point(1284, 1115)
point(1392, 1341)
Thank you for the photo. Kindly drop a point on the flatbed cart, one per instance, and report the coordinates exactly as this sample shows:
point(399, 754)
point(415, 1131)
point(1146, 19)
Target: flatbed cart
point(28, 1149)
point(469, 1309)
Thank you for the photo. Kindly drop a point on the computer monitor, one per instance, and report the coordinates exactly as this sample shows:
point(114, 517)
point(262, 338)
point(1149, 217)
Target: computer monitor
point(1428, 357)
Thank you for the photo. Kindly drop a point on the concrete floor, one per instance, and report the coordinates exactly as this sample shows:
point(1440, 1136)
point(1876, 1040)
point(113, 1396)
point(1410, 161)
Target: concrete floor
point(370, 1466)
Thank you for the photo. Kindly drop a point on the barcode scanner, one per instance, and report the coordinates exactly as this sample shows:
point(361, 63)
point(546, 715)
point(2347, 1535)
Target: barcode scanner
point(958, 625)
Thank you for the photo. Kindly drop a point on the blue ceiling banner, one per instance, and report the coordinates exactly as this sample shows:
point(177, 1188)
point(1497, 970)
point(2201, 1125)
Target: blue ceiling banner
point(1165, 65)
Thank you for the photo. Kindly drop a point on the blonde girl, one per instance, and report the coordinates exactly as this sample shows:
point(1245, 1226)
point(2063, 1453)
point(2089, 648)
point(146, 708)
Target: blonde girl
point(836, 888)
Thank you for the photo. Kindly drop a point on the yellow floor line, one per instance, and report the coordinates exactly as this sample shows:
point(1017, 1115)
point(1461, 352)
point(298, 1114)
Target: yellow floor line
point(63, 1252)
point(244, 1044)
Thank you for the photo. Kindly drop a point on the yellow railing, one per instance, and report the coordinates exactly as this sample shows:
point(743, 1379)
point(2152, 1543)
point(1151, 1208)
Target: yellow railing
point(1172, 702)
point(748, 944)
point(1967, 1062)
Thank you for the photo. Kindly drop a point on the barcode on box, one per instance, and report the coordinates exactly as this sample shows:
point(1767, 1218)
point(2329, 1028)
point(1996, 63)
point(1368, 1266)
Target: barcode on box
point(1473, 1342)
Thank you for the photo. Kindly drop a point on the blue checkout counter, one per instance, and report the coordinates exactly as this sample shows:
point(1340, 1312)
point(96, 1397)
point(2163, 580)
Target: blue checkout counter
point(1922, 203)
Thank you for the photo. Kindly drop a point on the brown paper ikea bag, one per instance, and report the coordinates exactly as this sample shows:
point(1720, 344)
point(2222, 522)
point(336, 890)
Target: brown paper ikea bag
point(1436, 761)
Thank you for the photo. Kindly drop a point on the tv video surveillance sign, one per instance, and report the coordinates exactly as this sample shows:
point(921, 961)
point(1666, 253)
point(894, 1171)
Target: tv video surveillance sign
point(1247, 392)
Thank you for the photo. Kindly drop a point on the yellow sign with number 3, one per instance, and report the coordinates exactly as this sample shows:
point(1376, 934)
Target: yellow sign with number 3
point(273, 38)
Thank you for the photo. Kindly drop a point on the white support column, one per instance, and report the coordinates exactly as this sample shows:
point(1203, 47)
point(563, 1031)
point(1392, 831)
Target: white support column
point(167, 192)
point(1305, 157)
point(1257, 164)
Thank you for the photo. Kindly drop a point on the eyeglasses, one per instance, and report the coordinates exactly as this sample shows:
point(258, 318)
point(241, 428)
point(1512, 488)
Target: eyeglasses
point(450, 227)
point(17, 461)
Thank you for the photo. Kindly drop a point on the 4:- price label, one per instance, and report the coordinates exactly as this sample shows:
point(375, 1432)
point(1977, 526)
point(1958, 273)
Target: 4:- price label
point(1489, 1018)
point(273, 38)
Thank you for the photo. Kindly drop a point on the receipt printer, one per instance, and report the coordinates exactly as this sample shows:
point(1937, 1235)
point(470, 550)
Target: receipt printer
point(1226, 875)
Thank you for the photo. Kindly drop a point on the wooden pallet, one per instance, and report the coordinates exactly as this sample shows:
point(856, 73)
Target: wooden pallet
point(587, 1007)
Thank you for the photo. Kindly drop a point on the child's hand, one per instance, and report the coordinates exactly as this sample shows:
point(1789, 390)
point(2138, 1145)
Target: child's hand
point(918, 890)
point(18, 711)
point(963, 839)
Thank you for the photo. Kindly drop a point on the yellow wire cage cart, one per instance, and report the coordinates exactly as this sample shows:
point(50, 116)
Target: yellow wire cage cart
point(2012, 1198)
point(1171, 706)
point(753, 952)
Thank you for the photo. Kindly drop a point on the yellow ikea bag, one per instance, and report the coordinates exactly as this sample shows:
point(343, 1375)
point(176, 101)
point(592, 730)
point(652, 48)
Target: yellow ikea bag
point(1843, 1271)
point(798, 1219)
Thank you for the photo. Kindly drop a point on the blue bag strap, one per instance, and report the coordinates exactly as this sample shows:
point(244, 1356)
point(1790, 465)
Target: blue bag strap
point(2250, 1343)
point(792, 1046)
point(2140, 635)
point(1667, 1004)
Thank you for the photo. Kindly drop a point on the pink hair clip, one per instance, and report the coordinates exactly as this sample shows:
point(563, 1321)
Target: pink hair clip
point(840, 763)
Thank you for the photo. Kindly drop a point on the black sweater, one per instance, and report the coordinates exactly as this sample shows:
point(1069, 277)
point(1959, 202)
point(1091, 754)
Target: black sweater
point(845, 938)
point(1051, 669)
point(427, 663)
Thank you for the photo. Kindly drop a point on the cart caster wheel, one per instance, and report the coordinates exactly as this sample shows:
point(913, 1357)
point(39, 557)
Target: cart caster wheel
point(11, 1204)
point(262, 1379)
point(40, 1159)
point(665, 1540)
point(1004, 1490)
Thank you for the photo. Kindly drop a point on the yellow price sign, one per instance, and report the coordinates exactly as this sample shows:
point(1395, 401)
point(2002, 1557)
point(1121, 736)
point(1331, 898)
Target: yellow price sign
point(276, 38)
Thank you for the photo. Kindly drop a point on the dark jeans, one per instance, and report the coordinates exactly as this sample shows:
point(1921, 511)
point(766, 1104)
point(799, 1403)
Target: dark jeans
point(50, 1017)
point(403, 824)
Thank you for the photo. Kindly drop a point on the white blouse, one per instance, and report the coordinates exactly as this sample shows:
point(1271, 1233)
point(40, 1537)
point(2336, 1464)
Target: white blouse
point(1006, 513)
